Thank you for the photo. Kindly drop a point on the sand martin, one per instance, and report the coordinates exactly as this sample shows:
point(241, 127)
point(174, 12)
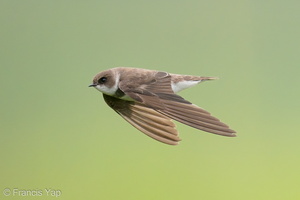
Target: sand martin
point(147, 99)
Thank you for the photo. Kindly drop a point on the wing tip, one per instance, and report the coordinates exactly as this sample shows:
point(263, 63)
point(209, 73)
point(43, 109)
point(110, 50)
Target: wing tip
point(173, 143)
point(230, 133)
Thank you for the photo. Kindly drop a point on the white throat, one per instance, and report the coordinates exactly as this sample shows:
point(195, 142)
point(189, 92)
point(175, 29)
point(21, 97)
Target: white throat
point(109, 91)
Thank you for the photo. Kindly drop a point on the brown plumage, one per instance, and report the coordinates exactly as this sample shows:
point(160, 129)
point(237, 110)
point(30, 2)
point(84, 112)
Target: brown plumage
point(147, 100)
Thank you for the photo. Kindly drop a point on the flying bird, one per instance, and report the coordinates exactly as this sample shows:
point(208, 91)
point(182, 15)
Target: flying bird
point(147, 99)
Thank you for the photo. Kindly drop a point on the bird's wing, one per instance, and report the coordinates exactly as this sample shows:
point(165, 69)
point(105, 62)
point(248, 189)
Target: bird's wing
point(145, 119)
point(158, 94)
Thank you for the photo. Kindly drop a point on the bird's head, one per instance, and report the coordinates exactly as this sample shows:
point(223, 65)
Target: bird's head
point(106, 82)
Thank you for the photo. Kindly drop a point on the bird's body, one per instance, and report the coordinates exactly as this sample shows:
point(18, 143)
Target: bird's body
point(147, 99)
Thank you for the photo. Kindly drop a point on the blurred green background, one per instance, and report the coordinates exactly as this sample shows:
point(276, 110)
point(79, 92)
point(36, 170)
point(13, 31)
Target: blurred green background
point(56, 133)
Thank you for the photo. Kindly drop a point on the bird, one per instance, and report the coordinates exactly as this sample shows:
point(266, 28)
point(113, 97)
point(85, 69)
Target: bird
point(147, 99)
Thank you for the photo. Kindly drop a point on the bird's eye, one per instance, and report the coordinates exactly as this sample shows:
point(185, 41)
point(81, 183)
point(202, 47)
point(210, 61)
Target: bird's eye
point(102, 80)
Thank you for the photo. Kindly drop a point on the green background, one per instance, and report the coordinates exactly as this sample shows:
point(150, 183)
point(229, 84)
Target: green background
point(56, 133)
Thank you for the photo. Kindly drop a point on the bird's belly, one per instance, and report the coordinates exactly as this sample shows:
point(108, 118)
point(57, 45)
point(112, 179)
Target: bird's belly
point(127, 98)
point(177, 87)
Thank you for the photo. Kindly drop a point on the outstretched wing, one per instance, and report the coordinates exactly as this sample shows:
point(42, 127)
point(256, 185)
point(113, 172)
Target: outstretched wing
point(157, 93)
point(145, 119)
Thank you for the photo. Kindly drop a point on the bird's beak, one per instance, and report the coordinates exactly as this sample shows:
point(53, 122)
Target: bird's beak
point(92, 85)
